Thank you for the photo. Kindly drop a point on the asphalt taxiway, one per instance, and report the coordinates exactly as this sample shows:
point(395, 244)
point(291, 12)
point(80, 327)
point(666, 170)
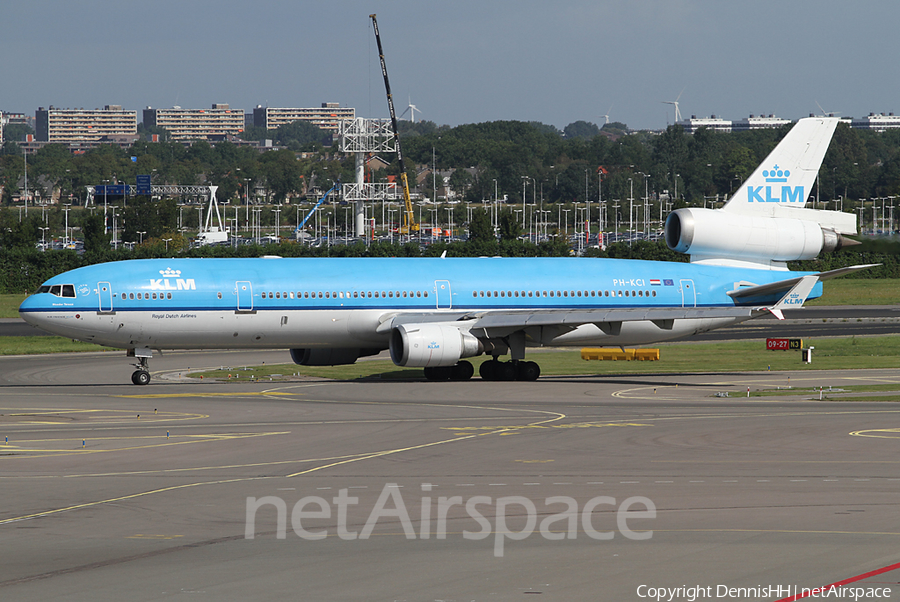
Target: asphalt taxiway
point(408, 490)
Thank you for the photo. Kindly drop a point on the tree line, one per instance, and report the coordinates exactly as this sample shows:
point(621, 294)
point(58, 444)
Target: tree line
point(24, 268)
point(512, 159)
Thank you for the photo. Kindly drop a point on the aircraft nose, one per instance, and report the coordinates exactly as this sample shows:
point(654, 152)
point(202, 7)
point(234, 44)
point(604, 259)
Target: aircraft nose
point(28, 310)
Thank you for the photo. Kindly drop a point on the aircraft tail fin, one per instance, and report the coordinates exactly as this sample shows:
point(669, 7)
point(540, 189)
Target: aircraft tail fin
point(787, 175)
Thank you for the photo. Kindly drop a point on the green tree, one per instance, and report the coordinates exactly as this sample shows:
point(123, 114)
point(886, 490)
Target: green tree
point(480, 229)
point(96, 240)
point(509, 226)
point(301, 135)
point(19, 233)
point(580, 129)
point(283, 173)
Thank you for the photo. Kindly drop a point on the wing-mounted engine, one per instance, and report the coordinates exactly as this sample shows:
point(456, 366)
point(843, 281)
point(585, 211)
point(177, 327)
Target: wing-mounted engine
point(426, 345)
point(727, 238)
point(329, 356)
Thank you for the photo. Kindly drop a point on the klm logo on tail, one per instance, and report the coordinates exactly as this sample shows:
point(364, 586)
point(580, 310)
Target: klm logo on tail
point(782, 194)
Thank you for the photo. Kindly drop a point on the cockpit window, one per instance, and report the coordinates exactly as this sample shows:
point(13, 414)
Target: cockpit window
point(60, 290)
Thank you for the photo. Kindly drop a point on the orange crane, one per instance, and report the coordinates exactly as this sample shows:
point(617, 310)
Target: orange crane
point(409, 224)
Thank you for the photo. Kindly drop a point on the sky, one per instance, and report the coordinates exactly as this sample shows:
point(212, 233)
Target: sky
point(459, 62)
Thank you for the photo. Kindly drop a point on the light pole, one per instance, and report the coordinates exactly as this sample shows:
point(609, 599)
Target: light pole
point(142, 237)
point(676, 186)
point(277, 213)
point(43, 241)
point(646, 203)
point(115, 231)
point(25, 157)
point(495, 203)
point(247, 198)
point(616, 218)
point(167, 243)
point(105, 224)
point(67, 223)
point(630, 210)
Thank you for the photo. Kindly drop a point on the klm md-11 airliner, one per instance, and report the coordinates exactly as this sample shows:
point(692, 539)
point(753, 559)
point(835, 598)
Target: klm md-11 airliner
point(434, 313)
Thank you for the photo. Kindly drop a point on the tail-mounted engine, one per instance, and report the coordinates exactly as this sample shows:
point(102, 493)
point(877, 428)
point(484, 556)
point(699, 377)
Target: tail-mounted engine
point(708, 235)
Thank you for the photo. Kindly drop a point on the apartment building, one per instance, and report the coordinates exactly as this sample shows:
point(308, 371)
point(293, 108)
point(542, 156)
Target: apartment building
point(325, 117)
point(213, 124)
point(71, 126)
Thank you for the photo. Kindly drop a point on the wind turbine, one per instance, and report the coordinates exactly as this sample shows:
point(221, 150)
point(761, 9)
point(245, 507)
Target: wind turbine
point(411, 109)
point(606, 117)
point(675, 102)
point(827, 113)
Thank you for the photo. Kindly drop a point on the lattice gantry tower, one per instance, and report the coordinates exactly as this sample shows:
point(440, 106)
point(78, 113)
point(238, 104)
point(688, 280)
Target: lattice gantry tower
point(361, 137)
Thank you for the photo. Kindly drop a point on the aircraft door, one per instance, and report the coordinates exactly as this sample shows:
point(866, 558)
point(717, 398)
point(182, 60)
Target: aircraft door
point(443, 297)
point(105, 291)
point(244, 295)
point(688, 293)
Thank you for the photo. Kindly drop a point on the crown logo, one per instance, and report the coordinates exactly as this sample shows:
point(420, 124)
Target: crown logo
point(776, 174)
point(170, 273)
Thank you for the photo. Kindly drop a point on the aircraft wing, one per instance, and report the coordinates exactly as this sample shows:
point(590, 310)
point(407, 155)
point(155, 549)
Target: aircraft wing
point(610, 320)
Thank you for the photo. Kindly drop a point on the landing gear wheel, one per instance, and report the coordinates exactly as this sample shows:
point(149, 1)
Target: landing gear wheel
point(462, 371)
point(488, 370)
point(528, 371)
point(140, 377)
point(505, 371)
point(438, 372)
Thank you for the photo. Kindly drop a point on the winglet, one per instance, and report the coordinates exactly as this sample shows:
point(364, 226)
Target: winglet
point(796, 297)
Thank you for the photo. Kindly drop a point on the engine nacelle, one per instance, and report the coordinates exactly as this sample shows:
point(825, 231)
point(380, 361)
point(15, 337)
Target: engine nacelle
point(329, 356)
point(426, 345)
point(713, 234)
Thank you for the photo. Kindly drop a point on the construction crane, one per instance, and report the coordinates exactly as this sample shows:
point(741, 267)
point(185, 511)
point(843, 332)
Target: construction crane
point(409, 223)
point(310, 214)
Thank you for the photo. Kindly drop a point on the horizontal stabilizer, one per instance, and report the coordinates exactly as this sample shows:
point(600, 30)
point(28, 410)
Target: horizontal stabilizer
point(784, 285)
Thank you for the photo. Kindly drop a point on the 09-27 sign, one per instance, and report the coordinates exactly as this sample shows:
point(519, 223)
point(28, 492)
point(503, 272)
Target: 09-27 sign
point(783, 344)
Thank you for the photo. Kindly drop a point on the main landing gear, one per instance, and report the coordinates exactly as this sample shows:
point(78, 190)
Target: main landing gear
point(141, 376)
point(460, 371)
point(492, 369)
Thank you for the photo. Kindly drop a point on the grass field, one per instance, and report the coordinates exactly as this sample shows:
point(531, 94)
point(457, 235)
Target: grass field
point(738, 356)
point(36, 345)
point(837, 292)
point(859, 292)
point(9, 305)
